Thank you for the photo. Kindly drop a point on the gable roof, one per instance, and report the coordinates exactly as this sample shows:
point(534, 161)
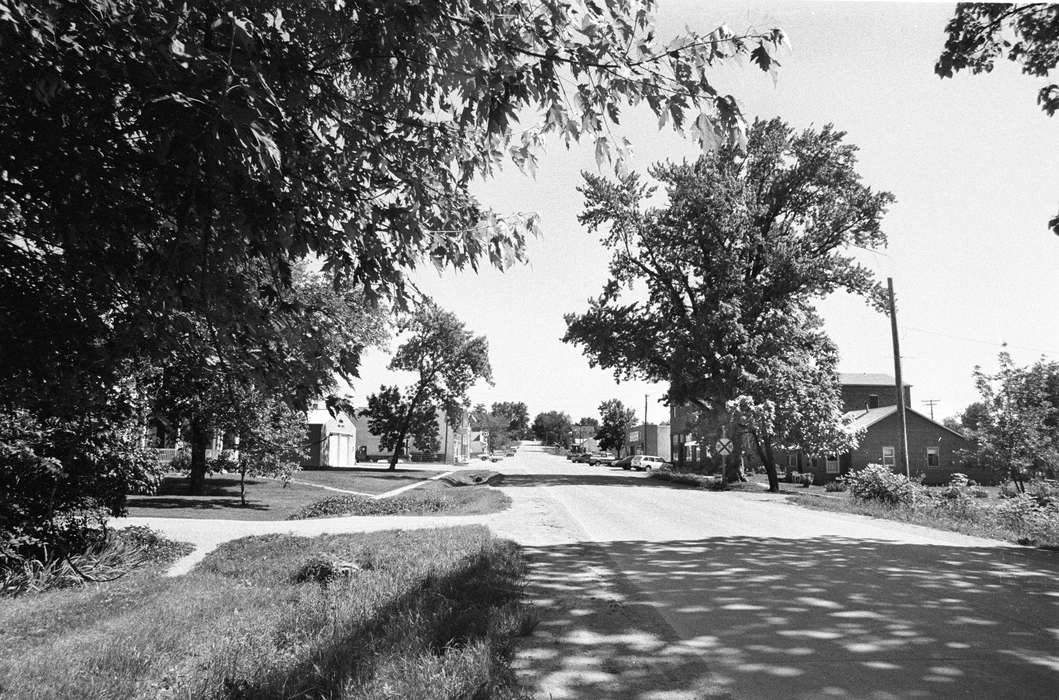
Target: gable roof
point(867, 379)
point(867, 418)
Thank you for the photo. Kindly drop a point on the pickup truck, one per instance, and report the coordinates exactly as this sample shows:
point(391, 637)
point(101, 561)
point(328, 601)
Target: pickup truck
point(601, 459)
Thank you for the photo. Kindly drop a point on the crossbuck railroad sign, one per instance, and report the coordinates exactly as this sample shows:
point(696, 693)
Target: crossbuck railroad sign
point(724, 447)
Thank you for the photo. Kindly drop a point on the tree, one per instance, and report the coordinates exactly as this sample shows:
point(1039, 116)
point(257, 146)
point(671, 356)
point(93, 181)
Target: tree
point(1016, 430)
point(552, 428)
point(517, 416)
point(271, 440)
point(615, 421)
point(979, 33)
point(172, 163)
point(730, 266)
point(447, 360)
point(794, 401)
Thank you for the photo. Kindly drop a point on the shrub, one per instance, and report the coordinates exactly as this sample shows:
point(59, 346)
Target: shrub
point(879, 483)
point(700, 480)
point(61, 479)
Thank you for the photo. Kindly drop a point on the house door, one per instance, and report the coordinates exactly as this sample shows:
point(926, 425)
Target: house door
point(831, 464)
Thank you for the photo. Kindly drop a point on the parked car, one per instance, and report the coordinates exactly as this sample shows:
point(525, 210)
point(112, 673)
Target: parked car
point(583, 458)
point(601, 458)
point(646, 462)
point(625, 462)
point(509, 452)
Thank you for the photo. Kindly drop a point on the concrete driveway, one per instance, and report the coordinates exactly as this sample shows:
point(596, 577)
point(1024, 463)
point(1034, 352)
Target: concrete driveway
point(649, 591)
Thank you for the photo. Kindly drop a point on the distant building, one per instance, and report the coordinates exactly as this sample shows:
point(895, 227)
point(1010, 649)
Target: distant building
point(650, 439)
point(332, 439)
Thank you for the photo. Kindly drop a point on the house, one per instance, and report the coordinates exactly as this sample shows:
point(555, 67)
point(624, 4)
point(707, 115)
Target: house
point(332, 440)
point(870, 405)
point(650, 439)
point(456, 444)
point(869, 402)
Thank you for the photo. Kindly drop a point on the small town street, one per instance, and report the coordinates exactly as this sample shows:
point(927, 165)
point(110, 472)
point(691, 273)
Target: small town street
point(649, 591)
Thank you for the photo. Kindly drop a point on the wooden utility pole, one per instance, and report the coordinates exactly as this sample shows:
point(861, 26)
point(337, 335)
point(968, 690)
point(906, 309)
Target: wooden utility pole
point(645, 423)
point(897, 378)
point(932, 403)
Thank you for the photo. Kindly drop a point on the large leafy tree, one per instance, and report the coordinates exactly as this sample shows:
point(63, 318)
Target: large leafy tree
point(706, 291)
point(1028, 34)
point(552, 428)
point(1015, 427)
point(516, 415)
point(447, 359)
point(615, 421)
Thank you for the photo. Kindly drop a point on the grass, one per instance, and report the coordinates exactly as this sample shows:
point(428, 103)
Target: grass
point(986, 517)
point(266, 499)
point(432, 499)
point(423, 614)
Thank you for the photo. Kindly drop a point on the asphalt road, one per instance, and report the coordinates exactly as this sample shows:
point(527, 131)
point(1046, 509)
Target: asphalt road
point(651, 591)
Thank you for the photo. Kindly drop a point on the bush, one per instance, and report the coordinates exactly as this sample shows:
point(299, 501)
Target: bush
point(452, 501)
point(121, 552)
point(700, 480)
point(59, 482)
point(879, 483)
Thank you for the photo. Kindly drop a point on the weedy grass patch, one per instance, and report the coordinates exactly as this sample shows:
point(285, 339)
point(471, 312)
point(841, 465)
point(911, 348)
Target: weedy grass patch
point(419, 614)
point(428, 500)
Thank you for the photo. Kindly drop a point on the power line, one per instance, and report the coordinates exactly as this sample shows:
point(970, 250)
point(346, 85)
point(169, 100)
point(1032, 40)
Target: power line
point(932, 403)
point(979, 340)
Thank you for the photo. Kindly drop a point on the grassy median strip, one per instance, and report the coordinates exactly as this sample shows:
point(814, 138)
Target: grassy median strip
point(433, 499)
point(416, 614)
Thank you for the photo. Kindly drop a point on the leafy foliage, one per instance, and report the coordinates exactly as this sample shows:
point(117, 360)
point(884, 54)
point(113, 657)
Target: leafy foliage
point(981, 33)
point(876, 482)
point(60, 480)
point(517, 416)
point(1016, 425)
point(552, 428)
point(447, 360)
point(615, 423)
point(731, 266)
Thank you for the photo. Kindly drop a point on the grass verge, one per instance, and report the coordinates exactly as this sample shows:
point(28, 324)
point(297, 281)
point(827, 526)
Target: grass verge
point(419, 614)
point(994, 519)
point(704, 481)
point(433, 499)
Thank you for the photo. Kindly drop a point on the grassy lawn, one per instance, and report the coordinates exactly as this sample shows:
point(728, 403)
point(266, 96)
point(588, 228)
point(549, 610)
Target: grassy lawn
point(373, 481)
point(424, 614)
point(266, 499)
point(430, 499)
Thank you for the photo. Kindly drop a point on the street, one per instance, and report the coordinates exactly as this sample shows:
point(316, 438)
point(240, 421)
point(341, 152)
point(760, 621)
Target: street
point(651, 591)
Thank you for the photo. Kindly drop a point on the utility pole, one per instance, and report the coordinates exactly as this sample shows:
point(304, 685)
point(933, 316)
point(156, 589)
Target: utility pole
point(897, 378)
point(932, 403)
point(645, 424)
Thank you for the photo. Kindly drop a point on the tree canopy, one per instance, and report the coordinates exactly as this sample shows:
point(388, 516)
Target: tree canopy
point(980, 33)
point(707, 291)
point(552, 428)
point(447, 359)
point(615, 422)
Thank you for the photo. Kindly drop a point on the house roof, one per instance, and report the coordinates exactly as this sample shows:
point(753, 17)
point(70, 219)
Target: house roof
point(867, 418)
point(867, 379)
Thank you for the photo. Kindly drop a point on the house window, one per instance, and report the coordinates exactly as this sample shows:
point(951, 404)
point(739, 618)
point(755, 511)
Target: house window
point(888, 456)
point(792, 460)
point(831, 464)
point(933, 458)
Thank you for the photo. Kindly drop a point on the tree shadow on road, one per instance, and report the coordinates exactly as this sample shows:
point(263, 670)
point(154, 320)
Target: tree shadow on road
point(769, 617)
point(606, 477)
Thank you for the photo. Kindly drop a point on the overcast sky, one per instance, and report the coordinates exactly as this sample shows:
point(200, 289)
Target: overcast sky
point(970, 160)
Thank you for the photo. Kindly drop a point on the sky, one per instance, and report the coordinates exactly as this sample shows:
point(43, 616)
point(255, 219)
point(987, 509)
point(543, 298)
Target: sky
point(973, 263)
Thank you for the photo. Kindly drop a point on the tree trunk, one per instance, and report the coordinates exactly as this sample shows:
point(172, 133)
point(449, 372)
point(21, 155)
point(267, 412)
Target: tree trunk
point(242, 487)
point(199, 445)
point(768, 459)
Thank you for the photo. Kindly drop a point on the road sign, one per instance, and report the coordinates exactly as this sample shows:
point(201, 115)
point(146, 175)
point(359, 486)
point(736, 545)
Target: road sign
point(724, 447)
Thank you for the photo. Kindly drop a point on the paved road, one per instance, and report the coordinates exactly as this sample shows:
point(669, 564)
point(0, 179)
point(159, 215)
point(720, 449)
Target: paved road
point(649, 591)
